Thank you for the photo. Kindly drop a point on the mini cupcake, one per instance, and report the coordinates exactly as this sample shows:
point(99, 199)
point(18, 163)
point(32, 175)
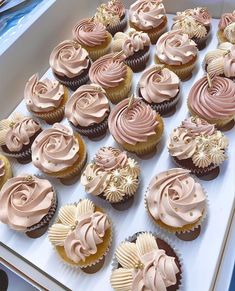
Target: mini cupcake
point(150, 17)
point(46, 99)
point(28, 204)
point(135, 126)
point(5, 170)
point(82, 235)
point(136, 48)
point(113, 177)
point(93, 37)
point(146, 262)
point(196, 23)
point(88, 110)
point(17, 135)
point(112, 15)
point(177, 52)
point(59, 153)
point(197, 146)
point(113, 76)
point(213, 102)
point(159, 87)
point(70, 64)
point(226, 27)
point(175, 201)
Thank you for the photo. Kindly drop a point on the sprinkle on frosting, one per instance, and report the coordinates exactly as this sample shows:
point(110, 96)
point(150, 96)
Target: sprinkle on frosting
point(199, 14)
point(116, 7)
point(111, 174)
point(25, 201)
point(143, 266)
point(106, 15)
point(80, 230)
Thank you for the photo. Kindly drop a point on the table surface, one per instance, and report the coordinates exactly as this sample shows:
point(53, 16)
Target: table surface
point(201, 257)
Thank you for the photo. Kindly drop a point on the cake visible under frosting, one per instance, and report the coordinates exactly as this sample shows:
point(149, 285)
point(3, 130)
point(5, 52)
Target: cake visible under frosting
point(25, 200)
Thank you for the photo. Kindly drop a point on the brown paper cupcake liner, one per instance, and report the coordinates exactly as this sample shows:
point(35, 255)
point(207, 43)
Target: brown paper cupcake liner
point(74, 84)
point(121, 26)
point(201, 42)
point(139, 63)
point(21, 155)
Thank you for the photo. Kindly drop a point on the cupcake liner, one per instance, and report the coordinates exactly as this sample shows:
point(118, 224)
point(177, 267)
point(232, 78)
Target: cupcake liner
point(139, 63)
point(20, 155)
point(201, 42)
point(74, 84)
point(121, 26)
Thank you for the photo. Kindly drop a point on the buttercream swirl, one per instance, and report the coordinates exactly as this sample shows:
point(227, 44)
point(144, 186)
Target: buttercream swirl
point(197, 126)
point(226, 19)
point(175, 48)
point(69, 59)
point(20, 134)
point(2, 168)
point(175, 198)
point(132, 124)
point(229, 32)
point(200, 14)
point(116, 7)
point(25, 200)
point(147, 14)
point(44, 95)
point(55, 149)
point(215, 102)
point(157, 85)
point(90, 33)
point(136, 41)
point(87, 106)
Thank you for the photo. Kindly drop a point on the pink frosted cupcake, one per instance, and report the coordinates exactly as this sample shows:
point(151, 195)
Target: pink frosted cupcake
point(88, 110)
point(70, 64)
point(159, 87)
point(148, 16)
point(226, 27)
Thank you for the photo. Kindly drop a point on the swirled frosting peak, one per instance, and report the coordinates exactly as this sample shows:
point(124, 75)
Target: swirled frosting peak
point(213, 103)
point(135, 42)
point(157, 85)
point(44, 95)
point(69, 59)
point(55, 149)
point(175, 48)
point(197, 126)
point(90, 33)
point(147, 14)
point(175, 198)
point(226, 19)
point(200, 14)
point(132, 124)
point(88, 105)
point(25, 200)
point(116, 7)
point(108, 71)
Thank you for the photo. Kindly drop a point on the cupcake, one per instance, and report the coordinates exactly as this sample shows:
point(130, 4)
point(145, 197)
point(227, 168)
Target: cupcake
point(17, 135)
point(159, 87)
point(28, 204)
point(135, 126)
point(146, 262)
point(197, 146)
point(177, 52)
point(46, 99)
point(59, 153)
point(93, 37)
point(112, 15)
point(87, 110)
point(70, 64)
point(226, 27)
point(82, 235)
point(113, 76)
point(150, 17)
point(135, 47)
point(175, 201)
point(196, 23)
point(5, 170)
point(113, 177)
point(213, 102)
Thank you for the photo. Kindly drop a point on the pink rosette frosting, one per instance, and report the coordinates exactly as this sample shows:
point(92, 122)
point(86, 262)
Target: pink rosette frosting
point(175, 198)
point(108, 158)
point(43, 96)
point(175, 48)
point(90, 33)
point(215, 102)
point(2, 168)
point(69, 59)
point(108, 71)
point(226, 19)
point(89, 232)
point(135, 42)
point(87, 106)
point(147, 14)
point(25, 200)
point(55, 149)
point(197, 126)
point(132, 124)
point(159, 85)
point(20, 134)
point(116, 7)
